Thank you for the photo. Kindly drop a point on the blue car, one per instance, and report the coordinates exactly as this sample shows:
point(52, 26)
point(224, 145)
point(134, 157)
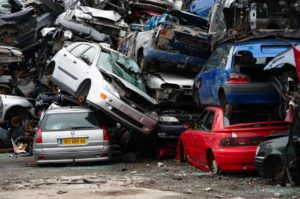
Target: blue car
point(234, 74)
point(202, 7)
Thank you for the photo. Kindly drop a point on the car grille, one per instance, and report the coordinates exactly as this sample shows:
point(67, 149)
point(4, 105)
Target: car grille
point(127, 118)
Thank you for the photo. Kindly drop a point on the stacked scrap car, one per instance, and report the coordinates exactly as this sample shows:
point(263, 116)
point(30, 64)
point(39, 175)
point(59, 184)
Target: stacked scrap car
point(108, 80)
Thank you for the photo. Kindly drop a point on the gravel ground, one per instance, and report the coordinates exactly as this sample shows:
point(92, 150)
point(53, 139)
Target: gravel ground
point(145, 179)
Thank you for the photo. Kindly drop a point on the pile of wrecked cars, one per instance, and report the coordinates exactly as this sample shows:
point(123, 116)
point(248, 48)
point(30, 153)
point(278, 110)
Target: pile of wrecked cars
point(214, 81)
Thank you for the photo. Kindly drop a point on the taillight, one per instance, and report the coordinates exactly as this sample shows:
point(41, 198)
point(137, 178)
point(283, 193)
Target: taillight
point(241, 141)
point(39, 138)
point(237, 78)
point(105, 134)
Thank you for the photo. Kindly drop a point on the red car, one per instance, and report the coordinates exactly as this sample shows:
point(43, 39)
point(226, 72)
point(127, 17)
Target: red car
point(212, 144)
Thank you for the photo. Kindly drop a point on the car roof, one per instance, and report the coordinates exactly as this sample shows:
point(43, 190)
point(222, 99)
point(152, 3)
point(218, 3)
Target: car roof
point(68, 109)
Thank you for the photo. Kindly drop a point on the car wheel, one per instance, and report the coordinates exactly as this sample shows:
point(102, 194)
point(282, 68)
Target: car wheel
point(197, 100)
point(183, 155)
point(15, 117)
point(213, 165)
point(224, 104)
point(215, 168)
point(276, 171)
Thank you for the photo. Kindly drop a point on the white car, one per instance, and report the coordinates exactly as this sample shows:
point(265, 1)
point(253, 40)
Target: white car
point(108, 80)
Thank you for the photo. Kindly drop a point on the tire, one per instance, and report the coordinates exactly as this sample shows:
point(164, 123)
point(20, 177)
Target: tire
point(183, 155)
point(225, 105)
point(213, 165)
point(197, 100)
point(276, 171)
point(16, 117)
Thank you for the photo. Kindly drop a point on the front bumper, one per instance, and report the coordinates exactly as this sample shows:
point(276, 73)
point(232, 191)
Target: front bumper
point(123, 113)
point(258, 161)
point(235, 159)
point(151, 54)
point(252, 93)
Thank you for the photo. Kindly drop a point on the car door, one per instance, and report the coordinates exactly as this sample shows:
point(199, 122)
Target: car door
point(203, 137)
point(84, 64)
point(195, 133)
point(212, 66)
point(220, 73)
point(67, 67)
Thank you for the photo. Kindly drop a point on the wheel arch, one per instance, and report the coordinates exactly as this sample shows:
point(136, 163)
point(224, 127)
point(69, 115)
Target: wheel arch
point(84, 87)
point(268, 164)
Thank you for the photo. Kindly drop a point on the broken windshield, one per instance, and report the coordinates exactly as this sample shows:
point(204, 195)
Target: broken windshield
point(122, 67)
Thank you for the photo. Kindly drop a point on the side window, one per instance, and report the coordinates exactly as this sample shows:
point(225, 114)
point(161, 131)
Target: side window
point(218, 58)
point(209, 120)
point(205, 121)
point(89, 55)
point(78, 50)
point(200, 121)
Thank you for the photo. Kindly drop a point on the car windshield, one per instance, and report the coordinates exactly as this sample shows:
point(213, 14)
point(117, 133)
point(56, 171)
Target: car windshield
point(122, 67)
point(70, 121)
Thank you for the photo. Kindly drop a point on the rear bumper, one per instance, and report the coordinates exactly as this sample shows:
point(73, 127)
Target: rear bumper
point(151, 54)
point(252, 93)
point(44, 156)
point(235, 159)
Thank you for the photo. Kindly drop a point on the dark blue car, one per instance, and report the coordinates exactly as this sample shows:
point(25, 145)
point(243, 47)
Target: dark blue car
point(234, 74)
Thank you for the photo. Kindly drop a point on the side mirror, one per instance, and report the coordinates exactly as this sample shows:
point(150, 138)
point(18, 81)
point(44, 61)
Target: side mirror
point(86, 59)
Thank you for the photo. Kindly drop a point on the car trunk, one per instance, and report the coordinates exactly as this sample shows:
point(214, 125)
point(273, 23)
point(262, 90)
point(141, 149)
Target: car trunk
point(71, 133)
point(252, 133)
point(184, 40)
point(72, 141)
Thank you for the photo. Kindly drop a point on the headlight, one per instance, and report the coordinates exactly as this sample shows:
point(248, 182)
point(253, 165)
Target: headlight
point(257, 150)
point(111, 89)
point(168, 119)
point(153, 115)
point(68, 34)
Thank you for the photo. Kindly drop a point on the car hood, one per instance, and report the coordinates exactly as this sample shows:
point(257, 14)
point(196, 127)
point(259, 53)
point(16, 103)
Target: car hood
point(132, 87)
point(110, 15)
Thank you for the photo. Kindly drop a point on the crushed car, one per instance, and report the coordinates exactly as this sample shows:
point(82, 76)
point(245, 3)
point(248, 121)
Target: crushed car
point(178, 39)
point(20, 26)
point(237, 19)
point(15, 109)
point(217, 143)
point(108, 81)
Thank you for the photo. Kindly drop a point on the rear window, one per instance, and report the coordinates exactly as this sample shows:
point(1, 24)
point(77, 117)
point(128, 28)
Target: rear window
point(70, 121)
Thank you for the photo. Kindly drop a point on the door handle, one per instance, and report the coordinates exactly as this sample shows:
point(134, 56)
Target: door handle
point(65, 55)
point(75, 62)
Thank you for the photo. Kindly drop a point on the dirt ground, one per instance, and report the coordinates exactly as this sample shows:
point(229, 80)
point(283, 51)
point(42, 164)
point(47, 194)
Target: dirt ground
point(21, 178)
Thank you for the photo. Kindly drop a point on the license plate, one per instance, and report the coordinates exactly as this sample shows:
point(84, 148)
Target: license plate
point(72, 141)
